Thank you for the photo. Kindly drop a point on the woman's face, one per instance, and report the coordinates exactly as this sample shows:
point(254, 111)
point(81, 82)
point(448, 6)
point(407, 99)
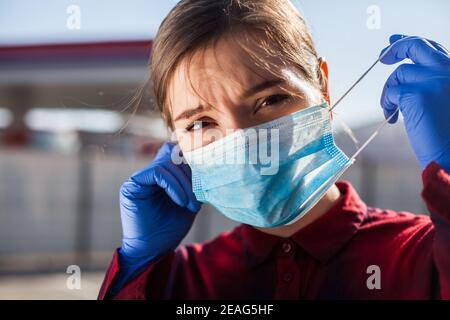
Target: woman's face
point(218, 93)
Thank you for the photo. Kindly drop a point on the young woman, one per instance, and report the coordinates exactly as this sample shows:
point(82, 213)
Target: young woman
point(220, 66)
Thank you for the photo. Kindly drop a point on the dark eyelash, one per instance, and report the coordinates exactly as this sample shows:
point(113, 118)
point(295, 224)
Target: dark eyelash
point(191, 125)
point(282, 97)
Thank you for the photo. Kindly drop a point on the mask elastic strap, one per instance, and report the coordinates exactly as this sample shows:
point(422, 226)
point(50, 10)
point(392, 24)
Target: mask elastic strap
point(366, 72)
point(377, 130)
point(373, 135)
point(357, 81)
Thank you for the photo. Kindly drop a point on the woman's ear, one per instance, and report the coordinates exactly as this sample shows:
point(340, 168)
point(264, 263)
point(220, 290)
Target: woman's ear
point(323, 65)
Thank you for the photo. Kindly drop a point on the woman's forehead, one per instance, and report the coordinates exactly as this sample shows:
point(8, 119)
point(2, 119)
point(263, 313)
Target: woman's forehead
point(226, 66)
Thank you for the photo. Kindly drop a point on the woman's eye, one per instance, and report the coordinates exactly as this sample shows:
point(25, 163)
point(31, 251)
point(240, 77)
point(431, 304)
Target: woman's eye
point(273, 99)
point(197, 125)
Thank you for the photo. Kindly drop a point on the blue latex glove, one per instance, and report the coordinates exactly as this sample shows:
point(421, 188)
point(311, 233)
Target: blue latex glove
point(422, 92)
point(157, 209)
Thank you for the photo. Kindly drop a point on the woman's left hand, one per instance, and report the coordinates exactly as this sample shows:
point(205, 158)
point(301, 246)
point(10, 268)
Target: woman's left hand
point(422, 92)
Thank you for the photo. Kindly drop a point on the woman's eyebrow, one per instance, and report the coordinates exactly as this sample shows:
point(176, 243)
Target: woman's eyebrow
point(189, 113)
point(266, 84)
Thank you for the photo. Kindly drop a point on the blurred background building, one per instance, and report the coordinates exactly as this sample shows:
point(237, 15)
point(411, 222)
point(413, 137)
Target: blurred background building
point(73, 126)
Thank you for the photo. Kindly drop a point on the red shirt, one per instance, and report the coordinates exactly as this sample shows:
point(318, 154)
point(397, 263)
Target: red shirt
point(351, 252)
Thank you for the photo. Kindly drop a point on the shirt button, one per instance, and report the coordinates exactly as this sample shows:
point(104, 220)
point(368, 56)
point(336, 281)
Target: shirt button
point(287, 277)
point(286, 247)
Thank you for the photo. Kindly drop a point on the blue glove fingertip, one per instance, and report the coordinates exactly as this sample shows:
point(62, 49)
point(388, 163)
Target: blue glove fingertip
point(194, 206)
point(164, 150)
point(394, 118)
point(388, 58)
point(395, 37)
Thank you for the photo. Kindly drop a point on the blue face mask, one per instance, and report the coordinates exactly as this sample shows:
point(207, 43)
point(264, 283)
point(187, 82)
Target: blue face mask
point(234, 175)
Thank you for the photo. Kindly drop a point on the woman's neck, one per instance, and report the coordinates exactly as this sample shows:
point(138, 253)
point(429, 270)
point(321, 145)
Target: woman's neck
point(330, 198)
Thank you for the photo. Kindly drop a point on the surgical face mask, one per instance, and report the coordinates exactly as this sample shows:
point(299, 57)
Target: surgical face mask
point(232, 174)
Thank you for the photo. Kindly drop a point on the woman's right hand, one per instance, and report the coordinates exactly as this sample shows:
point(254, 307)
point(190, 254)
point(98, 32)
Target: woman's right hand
point(157, 208)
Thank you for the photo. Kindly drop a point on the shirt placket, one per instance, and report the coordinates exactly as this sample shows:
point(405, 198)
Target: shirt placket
point(288, 273)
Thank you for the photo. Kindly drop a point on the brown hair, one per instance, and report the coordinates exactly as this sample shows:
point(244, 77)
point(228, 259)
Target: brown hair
point(193, 24)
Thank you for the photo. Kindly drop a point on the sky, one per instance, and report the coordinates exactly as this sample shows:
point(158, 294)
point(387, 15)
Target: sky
point(348, 33)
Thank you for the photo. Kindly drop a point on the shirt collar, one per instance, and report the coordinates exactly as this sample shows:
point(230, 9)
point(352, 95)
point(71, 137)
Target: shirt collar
point(321, 239)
